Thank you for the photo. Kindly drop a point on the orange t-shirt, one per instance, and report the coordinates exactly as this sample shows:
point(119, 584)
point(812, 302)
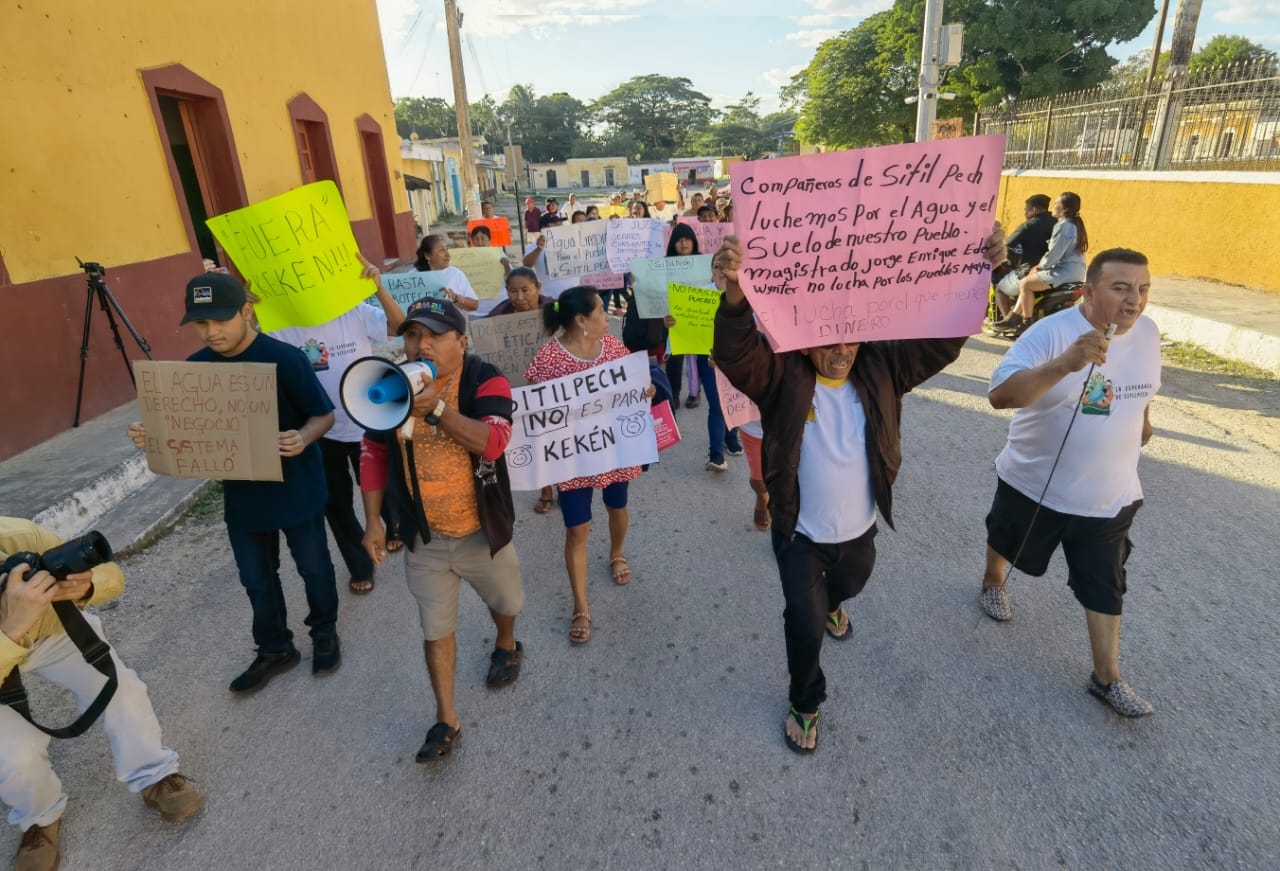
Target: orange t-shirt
point(445, 476)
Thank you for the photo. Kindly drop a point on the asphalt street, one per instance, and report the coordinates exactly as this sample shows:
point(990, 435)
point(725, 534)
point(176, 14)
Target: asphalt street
point(948, 741)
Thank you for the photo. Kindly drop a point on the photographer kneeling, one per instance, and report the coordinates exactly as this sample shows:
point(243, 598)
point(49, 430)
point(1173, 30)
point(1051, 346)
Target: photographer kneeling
point(32, 638)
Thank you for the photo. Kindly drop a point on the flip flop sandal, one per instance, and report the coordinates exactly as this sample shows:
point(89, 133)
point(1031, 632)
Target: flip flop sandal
point(543, 506)
point(621, 576)
point(833, 625)
point(361, 591)
point(760, 517)
point(439, 743)
point(807, 724)
point(580, 634)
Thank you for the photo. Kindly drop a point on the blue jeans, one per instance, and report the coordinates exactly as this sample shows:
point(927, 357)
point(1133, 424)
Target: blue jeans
point(258, 559)
point(717, 434)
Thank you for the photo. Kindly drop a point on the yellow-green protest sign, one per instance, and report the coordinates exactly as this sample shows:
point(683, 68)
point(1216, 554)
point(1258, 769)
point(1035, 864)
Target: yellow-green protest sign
point(298, 254)
point(664, 186)
point(611, 210)
point(694, 309)
point(483, 268)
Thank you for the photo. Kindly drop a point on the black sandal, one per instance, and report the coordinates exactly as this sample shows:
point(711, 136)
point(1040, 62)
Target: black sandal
point(504, 666)
point(439, 743)
point(806, 724)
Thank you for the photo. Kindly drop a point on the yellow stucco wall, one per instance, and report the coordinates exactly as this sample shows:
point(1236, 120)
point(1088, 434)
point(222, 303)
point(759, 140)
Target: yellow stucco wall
point(82, 166)
point(1197, 224)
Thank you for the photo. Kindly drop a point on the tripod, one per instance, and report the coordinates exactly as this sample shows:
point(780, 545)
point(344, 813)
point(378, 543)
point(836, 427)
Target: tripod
point(94, 273)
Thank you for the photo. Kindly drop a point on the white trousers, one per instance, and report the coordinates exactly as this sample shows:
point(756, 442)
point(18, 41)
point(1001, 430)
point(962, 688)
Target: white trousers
point(28, 785)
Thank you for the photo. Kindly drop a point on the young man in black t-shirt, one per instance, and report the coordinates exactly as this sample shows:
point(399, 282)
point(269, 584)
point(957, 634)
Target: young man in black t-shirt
point(258, 511)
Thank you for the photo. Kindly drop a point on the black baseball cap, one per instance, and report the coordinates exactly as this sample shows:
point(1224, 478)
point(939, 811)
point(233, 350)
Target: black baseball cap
point(437, 315)
point(213, 296)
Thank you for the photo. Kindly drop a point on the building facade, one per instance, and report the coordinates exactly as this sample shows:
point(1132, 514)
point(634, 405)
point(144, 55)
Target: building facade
point(136, 126)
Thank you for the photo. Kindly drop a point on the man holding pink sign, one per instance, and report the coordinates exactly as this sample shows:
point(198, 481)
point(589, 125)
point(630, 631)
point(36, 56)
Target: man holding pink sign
point(831, 414)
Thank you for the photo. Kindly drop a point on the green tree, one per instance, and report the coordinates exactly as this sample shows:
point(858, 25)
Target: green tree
point(742, 132)
point(547, 128)
point(485, 122)
point(851, 93)
point(1224, 49)
point(429, 117)
point(659, 112)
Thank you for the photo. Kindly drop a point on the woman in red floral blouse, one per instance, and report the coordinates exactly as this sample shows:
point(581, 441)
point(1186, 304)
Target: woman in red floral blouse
point(583, 340)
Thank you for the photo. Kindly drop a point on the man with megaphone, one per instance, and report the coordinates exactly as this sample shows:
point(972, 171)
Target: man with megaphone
point(448, 473)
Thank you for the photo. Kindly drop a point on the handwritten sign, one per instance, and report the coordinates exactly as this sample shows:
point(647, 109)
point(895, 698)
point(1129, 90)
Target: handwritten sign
point(297, 252)
point(408, 287)
point(610, 211)
point(947, 128)
point(483, 268)
point(631, 239)
point(499, 230)
point(737, 408)
point(874, 243)
point(210, 420)
point(664, 186)
point(649, 280)
point(710, 234)
point(588, 423)
point(576, 249)
point(508, 342)
point(694, 309)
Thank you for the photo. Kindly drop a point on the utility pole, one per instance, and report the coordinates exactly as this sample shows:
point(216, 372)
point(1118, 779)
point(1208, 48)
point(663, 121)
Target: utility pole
point(1163, 129)
point(1155, 52)
point(927, 96)
point(467, 165)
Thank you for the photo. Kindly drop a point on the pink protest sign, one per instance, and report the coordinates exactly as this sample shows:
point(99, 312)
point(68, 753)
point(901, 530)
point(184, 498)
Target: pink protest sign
point(875, 243)
point(737, 408)
point(710, 234)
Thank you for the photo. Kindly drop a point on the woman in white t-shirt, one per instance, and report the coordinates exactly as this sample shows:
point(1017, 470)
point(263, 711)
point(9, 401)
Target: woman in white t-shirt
point(433, 256)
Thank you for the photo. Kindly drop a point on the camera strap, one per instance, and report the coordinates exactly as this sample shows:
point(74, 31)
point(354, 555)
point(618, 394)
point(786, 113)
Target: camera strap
point(95, 651)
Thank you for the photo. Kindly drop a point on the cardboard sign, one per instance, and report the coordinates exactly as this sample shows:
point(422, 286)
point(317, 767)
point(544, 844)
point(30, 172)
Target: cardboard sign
point(664, 186)
point(483, 268)
point(874, 243)
point(297, 252)
point(499, 230)
point(694, 309)
point(588, 423)
point(737, 408)
point(631, 239)
point(664, 425)
point(649, 280)
point(210, 420)
point(509, 342)
point(408, 287)
point(576, 249)
point(710, 235)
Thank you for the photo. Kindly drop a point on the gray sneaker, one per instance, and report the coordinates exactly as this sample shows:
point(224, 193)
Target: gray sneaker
point(1121, 697)
point(995, 604)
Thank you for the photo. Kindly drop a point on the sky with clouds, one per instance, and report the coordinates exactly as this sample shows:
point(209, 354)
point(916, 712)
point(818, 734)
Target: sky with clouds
point(725, 47)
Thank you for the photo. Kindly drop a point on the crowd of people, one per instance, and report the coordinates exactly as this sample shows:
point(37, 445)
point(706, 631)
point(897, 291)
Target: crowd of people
point(823, 458)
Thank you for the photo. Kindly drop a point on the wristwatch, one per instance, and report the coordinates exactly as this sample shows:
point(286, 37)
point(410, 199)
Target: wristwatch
point(434, 417)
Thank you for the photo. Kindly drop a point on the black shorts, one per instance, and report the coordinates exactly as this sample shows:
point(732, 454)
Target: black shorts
point(1096, 548)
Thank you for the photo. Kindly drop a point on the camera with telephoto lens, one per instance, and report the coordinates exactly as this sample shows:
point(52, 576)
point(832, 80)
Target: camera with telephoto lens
point(72, 557)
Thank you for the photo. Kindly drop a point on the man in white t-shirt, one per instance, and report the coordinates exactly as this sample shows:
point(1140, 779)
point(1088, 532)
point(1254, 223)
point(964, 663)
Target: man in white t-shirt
point(1094, 431)
point(331, 348)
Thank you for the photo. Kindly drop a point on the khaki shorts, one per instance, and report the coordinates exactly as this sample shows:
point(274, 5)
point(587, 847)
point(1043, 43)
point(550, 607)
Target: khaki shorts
point(434, 573)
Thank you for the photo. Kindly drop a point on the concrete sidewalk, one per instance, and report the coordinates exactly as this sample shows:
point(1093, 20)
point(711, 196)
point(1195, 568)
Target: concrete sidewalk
point(93, 478)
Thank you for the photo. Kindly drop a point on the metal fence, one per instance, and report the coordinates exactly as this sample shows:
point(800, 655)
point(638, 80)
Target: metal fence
point(1218, 118)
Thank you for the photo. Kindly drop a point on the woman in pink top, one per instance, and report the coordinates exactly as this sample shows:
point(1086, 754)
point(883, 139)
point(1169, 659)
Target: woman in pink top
point(582, 341)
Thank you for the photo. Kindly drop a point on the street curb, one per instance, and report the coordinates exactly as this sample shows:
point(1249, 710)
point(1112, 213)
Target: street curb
point(1226, 340)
